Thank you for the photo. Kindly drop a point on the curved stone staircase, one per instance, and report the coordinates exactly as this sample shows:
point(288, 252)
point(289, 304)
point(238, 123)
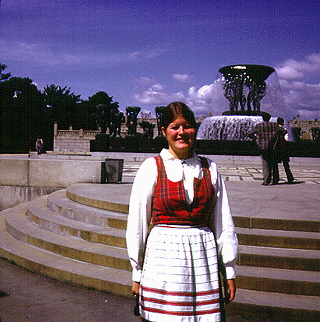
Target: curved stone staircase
point(77, 236)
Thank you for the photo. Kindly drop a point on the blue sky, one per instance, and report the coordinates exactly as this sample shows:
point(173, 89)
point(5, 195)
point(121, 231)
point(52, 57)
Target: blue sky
point(149, 53)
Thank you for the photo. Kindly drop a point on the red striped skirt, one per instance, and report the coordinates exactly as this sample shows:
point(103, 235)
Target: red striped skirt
point(180, 275)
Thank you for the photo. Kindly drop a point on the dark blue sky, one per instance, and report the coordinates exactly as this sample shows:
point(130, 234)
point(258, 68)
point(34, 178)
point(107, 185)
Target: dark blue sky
point(149, 53)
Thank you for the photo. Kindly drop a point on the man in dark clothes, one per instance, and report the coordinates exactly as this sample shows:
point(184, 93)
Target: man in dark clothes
point(263, 133)
point(280, 149)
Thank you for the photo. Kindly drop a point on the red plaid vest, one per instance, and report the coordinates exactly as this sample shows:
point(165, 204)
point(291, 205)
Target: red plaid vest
point(169, 201)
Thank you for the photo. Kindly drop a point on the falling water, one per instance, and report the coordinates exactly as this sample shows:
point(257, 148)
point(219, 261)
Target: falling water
point(231, 127)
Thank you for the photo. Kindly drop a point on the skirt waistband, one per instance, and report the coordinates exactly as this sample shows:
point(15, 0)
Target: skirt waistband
point(181, 226)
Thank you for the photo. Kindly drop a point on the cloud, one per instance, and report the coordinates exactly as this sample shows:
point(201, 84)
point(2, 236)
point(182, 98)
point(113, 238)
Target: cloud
point(299, 94)
point(41, 54)
point(144, 80)
point(156, 95)
point(288, 72)
point(182, 78)
point(293, 69)
point(207, 99)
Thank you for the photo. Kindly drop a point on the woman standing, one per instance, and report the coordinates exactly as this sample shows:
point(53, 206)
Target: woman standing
point(175, 267)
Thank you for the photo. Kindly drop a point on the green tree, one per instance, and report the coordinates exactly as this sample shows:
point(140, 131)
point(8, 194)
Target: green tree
point(101, 105)
point(61, 105)
point(4, 76)
point(21, 113)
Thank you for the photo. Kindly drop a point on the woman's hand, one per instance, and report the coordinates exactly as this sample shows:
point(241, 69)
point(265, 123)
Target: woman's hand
point(231, 289)
point(135, 288)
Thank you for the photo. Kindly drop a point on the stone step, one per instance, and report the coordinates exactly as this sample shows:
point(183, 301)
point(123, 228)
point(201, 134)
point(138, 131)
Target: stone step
point(275, 306)
point(278, 223)
point(63, 268)
point(272, 306)
point(261, 237)
point(60, 204)
point(278, 280)
point(86, 194)
point(279, 238)
point(286, 258)
point(41, 215)
point(254, 237)
point(21, 228)
point(269, 305)
point(115, 257)
point(96, 195)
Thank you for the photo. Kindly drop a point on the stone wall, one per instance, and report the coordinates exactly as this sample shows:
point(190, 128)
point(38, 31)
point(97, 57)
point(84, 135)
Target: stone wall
point(73, 140)
point(22, 180)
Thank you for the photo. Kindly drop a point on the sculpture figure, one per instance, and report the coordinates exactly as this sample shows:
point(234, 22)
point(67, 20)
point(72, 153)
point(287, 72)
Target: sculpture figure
point(159, 111)
point(147, 129)
point(132, 115)
point(237, 79)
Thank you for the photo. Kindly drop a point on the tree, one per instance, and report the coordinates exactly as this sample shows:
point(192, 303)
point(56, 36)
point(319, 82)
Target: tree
point(3, 76)
point(61, 105)
point(21, 114)
point(101, 106)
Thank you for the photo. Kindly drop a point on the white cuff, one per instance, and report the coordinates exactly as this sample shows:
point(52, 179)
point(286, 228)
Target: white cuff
point(136, 275)
point(230, 272)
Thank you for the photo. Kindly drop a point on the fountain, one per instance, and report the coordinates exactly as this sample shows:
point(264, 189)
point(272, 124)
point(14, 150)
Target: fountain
point(248, 88)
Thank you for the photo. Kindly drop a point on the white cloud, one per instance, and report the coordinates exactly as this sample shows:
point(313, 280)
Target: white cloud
point(182, 78)
point(208, 99)
point(293, 69)
point(156, 95)
point(144, 80)
point(40, 54)
point(299, 83)
point(288, 72)
point(296, 79)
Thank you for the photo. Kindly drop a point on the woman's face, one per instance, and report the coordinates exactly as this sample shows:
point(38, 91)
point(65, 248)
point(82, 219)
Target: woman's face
point(181, 137)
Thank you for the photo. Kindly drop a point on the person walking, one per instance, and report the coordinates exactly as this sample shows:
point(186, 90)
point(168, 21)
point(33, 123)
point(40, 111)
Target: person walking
point(262, 134)
point(39, 145)
point(175, 267)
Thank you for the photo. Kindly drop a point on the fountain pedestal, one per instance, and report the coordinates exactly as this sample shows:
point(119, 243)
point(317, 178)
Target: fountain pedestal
point(244, 87)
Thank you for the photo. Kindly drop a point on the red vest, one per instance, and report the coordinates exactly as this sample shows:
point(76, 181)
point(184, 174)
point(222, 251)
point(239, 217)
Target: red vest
point(169, 201)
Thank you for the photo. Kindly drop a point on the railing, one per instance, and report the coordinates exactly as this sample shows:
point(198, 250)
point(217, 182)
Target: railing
point(79, 133)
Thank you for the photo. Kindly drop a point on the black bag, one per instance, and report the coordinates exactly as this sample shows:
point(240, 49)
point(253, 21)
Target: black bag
point(136, 310)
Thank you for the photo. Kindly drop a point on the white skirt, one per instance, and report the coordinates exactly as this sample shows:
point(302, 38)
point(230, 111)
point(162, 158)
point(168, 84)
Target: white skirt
point(180, 275)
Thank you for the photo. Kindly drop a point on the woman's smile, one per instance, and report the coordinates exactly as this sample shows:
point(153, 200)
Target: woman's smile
point(181, 138)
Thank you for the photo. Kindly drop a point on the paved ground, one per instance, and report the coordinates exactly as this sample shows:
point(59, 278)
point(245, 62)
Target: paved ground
point(307, 173)
point(36, 298)
point(33, 297)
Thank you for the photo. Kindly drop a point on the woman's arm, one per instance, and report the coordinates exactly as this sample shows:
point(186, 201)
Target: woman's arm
point(223, 226)
point(140, 215)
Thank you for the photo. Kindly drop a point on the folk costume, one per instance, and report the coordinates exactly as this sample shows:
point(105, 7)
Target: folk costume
point(177, 264)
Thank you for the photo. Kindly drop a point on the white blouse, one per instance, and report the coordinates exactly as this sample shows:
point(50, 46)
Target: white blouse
point(141, 201)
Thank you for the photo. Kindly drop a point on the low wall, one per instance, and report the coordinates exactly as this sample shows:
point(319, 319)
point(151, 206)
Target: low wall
point(73, 140)
point(11, 196)
point(24, 179)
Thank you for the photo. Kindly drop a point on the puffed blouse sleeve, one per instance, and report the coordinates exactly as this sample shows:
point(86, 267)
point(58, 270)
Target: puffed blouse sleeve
point(222, 224)
point(140, 214)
